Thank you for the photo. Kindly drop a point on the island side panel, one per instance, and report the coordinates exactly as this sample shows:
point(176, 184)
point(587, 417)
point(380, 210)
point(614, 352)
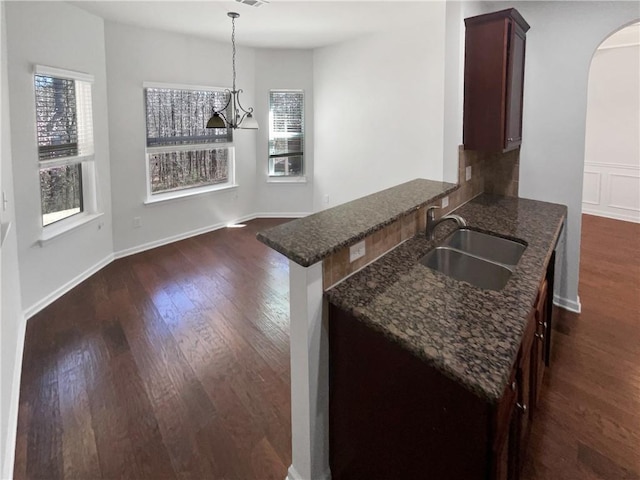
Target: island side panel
point(309, 375)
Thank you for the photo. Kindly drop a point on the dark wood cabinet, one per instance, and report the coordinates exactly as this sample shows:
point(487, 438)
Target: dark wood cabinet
point(494, 81)
point(391, 415)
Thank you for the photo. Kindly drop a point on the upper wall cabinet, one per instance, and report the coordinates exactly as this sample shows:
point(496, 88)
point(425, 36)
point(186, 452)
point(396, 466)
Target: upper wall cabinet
point(494, 80)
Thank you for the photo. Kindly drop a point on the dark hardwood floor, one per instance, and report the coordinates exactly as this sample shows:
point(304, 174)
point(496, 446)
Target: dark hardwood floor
point(588, 424)
point(172, 363)
point(175, 363)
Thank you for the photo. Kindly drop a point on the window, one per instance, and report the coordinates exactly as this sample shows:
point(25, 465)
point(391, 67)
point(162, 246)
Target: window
point(286, 133)
point(181, 152)
point(64, 126)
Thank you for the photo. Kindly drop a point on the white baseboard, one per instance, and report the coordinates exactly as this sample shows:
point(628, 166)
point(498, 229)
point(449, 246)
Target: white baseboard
point(292, 473)
point(199, 231)
point(281, 215)
point(175, 238)
point(613, 215)
point(12, 422)
point(53, 296)
point(571, 305)
point(58, 292)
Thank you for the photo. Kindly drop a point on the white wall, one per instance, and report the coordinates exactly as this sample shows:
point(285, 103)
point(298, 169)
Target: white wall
point(560, 44)
point(378, 104)
point(59, 35)
point(11, 318)
point(612, 149)
point(136, 55)
point(283, 69)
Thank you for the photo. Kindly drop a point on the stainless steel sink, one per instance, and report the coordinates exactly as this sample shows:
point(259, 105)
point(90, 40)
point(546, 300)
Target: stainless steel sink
point(468, 268)
point(483, 260)
point(489, 247)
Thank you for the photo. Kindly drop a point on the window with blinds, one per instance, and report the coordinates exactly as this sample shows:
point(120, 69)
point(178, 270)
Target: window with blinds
point(64, 130)
point(286, 132)
point(179, 117)
point(180, 150)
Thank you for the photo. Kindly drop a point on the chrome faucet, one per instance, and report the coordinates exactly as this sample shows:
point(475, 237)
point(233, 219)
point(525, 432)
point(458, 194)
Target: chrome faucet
point(432, 223)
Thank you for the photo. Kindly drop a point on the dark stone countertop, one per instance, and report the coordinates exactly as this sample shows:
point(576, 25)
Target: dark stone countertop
point(469, 334)
point(310, 239)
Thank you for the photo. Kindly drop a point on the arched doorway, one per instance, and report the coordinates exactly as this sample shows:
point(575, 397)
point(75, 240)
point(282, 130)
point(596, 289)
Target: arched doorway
point(612, 141)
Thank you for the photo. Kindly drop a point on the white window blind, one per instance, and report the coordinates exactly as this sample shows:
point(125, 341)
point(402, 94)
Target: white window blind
point(64, 119)
point(85, 119)
point(286, 132)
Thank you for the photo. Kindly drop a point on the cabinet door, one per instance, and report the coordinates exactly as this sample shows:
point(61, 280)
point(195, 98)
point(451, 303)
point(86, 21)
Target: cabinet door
point(525, 395)
point(515, 84)
point(504, 438)
point(539, 346)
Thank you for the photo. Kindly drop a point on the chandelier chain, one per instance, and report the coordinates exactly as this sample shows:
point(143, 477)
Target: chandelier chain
point(236, 114)
point(233, 44)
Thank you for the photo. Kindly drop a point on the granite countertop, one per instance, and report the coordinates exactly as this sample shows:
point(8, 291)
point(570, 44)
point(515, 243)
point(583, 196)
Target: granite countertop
point(469, 334)
point(310, 239)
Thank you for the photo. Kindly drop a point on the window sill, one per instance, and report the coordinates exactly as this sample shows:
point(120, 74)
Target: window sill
point(54, 231)
point(289, 180)
point(165, 197)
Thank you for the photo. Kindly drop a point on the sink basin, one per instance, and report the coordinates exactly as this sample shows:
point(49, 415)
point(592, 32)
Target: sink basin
point(459, 265)
point(489, 247)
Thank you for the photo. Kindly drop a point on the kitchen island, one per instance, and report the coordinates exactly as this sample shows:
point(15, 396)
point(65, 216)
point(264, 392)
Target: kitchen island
point(464, 336)
point(434, 376)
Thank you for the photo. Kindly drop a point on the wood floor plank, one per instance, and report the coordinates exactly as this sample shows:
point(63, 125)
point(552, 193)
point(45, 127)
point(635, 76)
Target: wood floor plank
point(127, 375)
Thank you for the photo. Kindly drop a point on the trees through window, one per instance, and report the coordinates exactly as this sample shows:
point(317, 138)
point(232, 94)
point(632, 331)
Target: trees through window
point(181, 152)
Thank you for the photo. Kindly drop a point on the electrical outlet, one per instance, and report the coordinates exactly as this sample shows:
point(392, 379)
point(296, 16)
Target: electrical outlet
point(468, 173)
point(137, 222)
point(326, 198)
point(445, 202)
point(356, 251)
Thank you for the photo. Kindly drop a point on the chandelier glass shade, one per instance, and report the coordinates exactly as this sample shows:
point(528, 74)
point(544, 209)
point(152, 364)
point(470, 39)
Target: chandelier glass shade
point(236, 116)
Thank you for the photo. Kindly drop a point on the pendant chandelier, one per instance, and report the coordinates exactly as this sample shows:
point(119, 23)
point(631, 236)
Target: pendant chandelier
point(237, 117)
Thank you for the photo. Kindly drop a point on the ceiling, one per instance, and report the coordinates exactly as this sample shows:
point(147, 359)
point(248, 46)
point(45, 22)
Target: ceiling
point(278, 24)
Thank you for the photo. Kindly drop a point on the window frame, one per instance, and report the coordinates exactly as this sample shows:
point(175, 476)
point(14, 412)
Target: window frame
point(151, 197)
point(289, 178)
point(86, 160)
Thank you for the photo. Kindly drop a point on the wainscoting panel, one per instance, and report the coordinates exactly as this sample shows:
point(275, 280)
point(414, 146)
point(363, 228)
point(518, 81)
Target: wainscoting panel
point(612, 190)
point(591, 189)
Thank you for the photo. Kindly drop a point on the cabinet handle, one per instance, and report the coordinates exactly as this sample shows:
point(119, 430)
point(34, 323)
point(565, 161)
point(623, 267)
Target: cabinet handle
point(522, 406)
point(510, 139)
point(544, 324)
point(513, 386)
point(539, 336)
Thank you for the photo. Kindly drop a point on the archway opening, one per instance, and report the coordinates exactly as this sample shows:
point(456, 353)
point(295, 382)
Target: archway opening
point(612, 141)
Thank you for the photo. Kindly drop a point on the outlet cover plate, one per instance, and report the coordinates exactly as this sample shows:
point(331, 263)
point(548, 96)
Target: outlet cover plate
point(356, 251)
